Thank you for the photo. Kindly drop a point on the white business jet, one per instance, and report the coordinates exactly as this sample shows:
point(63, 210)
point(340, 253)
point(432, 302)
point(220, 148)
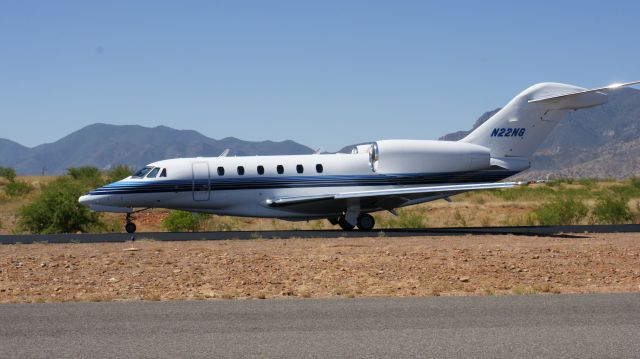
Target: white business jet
point(345, 188)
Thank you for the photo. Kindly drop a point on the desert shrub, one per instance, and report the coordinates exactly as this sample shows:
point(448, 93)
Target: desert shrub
point(119, 172)
point(523, 193)
point(560, 181)
point(183, 221)
point(588, 182)
point(87, 175)
point(527, 219)
point(459, 218)
point(17, 188)
point(8, 173)
point(405, 219)
point(561, 211)
point(612, 210)
point(225, 223)
point(56, 210)
point(627, 190)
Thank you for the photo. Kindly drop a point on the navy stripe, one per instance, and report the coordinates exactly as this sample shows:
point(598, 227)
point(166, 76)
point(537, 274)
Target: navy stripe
point(239, 183)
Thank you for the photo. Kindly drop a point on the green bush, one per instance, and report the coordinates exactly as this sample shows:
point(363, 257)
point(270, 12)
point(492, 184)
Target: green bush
point(561, 211)
point(17, 188)
point(119, 172)
point(87, 175)
point(8, 173)
point(612, 210)
point(183, 221)
point(57, 210)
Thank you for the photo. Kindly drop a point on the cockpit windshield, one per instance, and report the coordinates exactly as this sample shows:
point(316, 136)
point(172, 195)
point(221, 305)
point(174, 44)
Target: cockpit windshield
point(141, 172)
point(153, 173)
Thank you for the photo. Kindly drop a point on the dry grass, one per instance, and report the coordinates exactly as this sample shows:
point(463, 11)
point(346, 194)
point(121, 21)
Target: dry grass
point(510, 207)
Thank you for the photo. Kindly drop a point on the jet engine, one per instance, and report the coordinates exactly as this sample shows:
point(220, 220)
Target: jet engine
point(420, 156)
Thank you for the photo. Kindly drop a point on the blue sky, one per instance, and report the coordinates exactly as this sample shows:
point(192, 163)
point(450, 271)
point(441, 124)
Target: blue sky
point(323, 73)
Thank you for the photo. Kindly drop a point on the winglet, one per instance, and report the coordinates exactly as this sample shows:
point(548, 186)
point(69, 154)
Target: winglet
point(599, 89)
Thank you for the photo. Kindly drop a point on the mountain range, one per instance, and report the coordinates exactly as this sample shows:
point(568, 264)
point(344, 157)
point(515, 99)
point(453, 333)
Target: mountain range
point(104, 146)
point(600, 142)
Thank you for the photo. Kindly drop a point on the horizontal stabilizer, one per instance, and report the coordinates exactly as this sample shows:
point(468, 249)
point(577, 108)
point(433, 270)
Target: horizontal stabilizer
point(600, 89)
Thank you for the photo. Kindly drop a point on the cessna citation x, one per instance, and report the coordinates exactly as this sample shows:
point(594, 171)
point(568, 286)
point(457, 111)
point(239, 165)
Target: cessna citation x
point(345, 188)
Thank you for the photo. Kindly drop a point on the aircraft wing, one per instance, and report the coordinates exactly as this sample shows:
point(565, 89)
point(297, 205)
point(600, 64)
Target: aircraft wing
point(389, 193)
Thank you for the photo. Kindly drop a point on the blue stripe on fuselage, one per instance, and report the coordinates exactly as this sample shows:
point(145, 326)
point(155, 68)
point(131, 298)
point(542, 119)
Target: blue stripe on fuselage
point(255, 182)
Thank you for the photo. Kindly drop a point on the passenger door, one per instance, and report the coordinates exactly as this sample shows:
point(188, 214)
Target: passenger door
point(201, 181)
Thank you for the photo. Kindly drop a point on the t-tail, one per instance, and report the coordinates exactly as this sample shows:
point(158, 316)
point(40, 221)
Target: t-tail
point(515, 132)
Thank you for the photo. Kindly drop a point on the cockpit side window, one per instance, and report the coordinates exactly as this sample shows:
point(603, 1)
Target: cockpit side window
point(141, 172)
point(163, 173)
point(153, 173)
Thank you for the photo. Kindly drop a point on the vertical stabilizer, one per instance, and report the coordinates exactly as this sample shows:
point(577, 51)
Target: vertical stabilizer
point(520, 127)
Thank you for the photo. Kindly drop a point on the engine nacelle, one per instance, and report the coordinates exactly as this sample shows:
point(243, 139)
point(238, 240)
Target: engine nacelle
point(420, 156)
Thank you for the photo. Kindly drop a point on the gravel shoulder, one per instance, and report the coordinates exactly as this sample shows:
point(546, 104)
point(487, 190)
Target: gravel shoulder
point(320, 268)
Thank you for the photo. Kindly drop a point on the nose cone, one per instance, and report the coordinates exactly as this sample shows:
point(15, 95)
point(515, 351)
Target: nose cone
point(86, 200)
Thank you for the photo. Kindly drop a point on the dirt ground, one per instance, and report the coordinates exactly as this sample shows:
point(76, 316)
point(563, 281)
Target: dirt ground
point(261, 268)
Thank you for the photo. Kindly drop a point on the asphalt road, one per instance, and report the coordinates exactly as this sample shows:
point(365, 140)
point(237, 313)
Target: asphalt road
point(557, 231)
point(553, 326)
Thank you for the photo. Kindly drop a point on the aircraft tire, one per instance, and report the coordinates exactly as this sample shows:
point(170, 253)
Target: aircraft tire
point(366, 222)
point(342, 222)
point(130, 227)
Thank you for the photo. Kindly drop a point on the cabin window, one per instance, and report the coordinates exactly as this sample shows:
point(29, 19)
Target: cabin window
point(240, 170)
point(260, 170)
point(319, 168)
point(163, 173)
point(299, 169)
point(220, 171)
point(142, 172)
point(280, 169)
point(153, 173)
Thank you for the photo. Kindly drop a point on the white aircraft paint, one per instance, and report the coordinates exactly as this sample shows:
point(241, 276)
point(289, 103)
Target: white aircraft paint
point(344, 188)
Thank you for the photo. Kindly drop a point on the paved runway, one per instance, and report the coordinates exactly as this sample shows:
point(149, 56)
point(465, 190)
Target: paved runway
point(557, 231)
point(554, 326)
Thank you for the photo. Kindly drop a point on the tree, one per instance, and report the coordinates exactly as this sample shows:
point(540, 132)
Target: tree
point(87, 175)
point(119, 172)
point(8, 173)
point(57, 210)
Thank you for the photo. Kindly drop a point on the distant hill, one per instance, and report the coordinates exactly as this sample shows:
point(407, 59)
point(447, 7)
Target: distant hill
point(104, 146)
point(601, 142)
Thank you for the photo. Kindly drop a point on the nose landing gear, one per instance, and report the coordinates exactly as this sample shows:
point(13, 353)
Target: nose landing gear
point(130, 227)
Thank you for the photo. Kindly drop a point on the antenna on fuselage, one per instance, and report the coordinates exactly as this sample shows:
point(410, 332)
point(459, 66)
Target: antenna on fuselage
point(225, 152)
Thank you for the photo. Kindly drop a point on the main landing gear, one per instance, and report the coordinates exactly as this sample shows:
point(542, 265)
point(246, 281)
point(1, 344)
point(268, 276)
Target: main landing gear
point(129, 226)
point(365, 222)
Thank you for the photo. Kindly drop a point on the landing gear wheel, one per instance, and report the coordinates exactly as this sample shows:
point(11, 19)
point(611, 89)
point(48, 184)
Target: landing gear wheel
point(344, 224)
point(130, 227)
point(366, 222)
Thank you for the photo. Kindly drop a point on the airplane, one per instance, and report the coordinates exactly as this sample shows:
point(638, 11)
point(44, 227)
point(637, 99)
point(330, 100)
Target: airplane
point(345, 188)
